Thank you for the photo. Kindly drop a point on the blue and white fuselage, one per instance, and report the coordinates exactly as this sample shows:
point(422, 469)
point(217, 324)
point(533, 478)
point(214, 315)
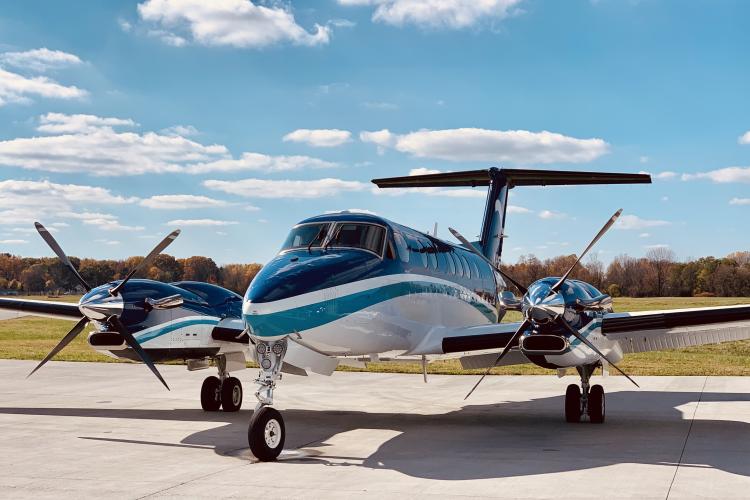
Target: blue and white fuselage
point(353, 284)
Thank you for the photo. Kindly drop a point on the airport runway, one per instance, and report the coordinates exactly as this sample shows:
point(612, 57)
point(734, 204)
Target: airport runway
point(87, 429)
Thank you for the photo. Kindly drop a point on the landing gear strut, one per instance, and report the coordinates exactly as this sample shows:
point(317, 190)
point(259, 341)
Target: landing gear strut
point(266, 432)
point(587, 400)
point(222, 391)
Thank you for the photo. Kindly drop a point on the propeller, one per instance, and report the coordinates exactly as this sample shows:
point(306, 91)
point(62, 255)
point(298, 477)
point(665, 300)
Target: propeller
point(526, 323)
point(598, 236)
point(551, 310)
point(148, 259)
point(113, 321)
point(473, 249)
point(50, 240)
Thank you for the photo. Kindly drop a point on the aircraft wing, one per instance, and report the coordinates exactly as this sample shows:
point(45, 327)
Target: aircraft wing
point(44, 308)
point(672, 329)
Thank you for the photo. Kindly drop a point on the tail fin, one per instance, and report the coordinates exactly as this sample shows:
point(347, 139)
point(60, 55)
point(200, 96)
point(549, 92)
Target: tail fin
point(500, 181)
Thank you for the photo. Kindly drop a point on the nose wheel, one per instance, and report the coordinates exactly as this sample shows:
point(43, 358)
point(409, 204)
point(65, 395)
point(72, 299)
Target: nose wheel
point(585, 400)
point(266, 434)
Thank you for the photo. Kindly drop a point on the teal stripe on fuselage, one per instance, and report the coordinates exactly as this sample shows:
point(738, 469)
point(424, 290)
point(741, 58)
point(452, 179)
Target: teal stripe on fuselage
point(318, 314)
point(152, 334)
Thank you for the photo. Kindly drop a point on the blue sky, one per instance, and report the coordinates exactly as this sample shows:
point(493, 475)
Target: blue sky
point(233, 120)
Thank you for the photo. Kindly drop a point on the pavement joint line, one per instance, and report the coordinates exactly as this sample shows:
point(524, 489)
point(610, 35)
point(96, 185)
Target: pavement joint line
point(687, 437)
point(191, 481)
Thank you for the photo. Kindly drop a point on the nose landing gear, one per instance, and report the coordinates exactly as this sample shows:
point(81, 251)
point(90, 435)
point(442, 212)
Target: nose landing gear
point(266, 432)
point(587, 400)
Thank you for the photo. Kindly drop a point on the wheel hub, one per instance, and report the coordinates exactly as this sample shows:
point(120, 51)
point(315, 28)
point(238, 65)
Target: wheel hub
point(272, 433)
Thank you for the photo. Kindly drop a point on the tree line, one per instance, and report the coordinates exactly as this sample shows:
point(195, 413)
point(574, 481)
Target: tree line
point(657, 274)
point(48, 274)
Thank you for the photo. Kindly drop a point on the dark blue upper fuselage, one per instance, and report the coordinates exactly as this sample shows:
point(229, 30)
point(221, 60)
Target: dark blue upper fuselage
point(297, 271)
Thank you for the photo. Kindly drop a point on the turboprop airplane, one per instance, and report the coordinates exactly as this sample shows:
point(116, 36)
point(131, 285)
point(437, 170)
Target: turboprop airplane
point(346, 286)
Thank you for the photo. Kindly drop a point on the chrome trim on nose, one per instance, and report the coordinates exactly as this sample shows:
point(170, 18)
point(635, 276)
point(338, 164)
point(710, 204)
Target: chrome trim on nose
point(101, 305)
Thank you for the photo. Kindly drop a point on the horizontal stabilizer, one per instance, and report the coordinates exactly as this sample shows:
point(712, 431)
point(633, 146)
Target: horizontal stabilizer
point(514, 177)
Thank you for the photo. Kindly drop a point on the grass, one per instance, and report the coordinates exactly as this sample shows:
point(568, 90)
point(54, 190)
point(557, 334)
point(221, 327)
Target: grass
point(32, 338)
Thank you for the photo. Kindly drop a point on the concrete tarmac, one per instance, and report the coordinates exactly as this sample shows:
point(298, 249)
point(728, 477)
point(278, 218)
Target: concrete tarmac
point(111, 430)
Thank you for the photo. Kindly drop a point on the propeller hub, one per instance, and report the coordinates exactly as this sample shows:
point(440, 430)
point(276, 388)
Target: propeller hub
point(99, 305)
point(540, 306)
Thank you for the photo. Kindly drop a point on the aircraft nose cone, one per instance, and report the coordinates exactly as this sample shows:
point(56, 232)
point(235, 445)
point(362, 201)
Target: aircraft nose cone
point(98, 304)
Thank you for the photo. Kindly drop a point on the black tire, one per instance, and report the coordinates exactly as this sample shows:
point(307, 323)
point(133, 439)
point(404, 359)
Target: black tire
point(266, 449)
point(231, 394)
point(211, 394)
point(573, 404)
point(596, 409)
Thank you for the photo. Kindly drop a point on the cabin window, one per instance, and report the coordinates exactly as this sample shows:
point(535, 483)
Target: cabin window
point(356, 235)
point(467, 270)
point(474, 269)
point(302, 236)
point(416, 247)
point(430, 251)
point(451, 264)
point(401, 247)
point(459, 266)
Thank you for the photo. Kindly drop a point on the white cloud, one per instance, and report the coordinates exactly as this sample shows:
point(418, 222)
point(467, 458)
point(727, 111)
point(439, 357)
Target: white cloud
point(722, 175)
point(644, 235)
point(515, 209)
point(201, 222)
point(49, 197)
point(13, 242)
point(105, 222)
point(261, 163)
point(183, 130)
point(481, 145)
point(261, 188)
point(381, 105)
point(633, 222)
point(107, 242)
point(181, 201)
point(665, 176)
point(39, 60)
point(15, 88)
point(739, 201)
point(549, 214)
point(744, 138)
point(352, 211)
point(657, 246)
point(644, 159)
point(89, 144)
point(235, 23)
point(59, 123)
point(319, 138)
point(434, 14)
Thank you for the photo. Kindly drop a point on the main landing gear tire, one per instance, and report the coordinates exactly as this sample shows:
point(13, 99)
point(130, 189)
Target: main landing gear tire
point(596, 406)
point(211, 394)
point(266, 434)
point(573, 404)
point(231, 394)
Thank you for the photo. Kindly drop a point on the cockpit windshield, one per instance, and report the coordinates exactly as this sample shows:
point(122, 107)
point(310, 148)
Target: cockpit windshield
point(337, 235)
point(358, 235)
point(307, 235)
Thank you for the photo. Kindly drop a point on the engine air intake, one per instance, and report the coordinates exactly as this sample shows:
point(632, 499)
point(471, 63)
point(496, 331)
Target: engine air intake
point(544, 344)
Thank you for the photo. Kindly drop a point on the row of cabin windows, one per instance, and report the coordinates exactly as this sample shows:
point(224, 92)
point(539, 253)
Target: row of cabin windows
point(417, 251)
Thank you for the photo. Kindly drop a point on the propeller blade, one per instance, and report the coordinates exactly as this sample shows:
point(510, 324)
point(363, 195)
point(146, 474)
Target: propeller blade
point(132, 342)
point(591, 346)
point(472, 248)
point(47, 237)
point(603, 230)
point(73, 333)
point(148, 259)
point(505, 351)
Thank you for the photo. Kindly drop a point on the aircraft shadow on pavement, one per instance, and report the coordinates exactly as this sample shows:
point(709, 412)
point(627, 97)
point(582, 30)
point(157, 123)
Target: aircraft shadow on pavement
point(482, 441)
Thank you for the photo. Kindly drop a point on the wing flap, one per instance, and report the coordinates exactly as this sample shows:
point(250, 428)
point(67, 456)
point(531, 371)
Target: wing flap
point(662, 330)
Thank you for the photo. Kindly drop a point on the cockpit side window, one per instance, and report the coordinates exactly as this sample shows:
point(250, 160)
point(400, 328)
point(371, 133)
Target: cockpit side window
point(302, 236)
point(357, 235)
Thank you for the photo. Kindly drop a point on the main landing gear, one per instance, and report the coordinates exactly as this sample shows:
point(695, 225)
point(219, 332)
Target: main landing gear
point(586, 401)
point(266, 432)
point(222, 391)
